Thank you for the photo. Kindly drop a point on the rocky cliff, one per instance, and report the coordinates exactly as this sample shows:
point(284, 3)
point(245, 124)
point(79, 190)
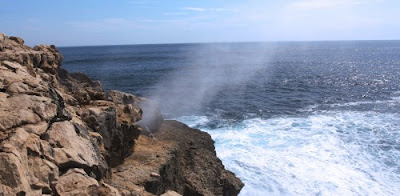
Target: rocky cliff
point(62, 134)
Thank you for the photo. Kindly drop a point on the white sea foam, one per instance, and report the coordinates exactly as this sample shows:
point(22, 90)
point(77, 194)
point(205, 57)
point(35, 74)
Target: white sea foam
point(326, 153)
point(193, 121)
point(393, 101)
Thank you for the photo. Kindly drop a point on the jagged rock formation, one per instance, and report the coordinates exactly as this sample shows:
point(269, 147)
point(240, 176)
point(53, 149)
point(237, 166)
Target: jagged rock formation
point(180, 159)
point(62, 134)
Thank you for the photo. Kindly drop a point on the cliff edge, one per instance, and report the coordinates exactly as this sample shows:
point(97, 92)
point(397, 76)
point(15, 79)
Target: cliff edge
point(62, 134)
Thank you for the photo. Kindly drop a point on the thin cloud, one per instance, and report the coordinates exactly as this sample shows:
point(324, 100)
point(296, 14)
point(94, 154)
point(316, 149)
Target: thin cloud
point(220, 10)
point(175, 13)
point(322, 4)
point(139, 2)
point(196, 9)
point(102, 25)
point(142, 3)
point(200, 9)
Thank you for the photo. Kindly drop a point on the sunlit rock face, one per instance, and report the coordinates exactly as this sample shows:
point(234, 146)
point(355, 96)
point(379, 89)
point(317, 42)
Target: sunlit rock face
point(57, 128)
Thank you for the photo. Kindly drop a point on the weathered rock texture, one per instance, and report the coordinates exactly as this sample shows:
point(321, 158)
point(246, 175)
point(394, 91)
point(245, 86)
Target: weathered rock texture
point(61, 134)
point(180, 159)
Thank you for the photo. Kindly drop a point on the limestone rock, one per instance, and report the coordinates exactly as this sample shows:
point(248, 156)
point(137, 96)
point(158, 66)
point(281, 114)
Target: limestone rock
point(171, 193)
point(41, 136)
point(38, 129)
point(77, 182)
point(118, 137)
point(74, 149)
point(186, 162)
point(18, 40)
point(44, 174)
point(107, 190)
point(202, 170)
point(12, 175)
point(128, 106)
point(81, 87)
point(2, 37)
point(50, 58)
point(122, 98)
point(61, 134)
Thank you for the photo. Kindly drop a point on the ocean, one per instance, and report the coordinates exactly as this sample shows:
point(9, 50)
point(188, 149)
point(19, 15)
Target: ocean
point(288, 118)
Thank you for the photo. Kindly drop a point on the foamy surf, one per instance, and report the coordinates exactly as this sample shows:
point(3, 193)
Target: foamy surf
point(378, 104)
point(325, 153)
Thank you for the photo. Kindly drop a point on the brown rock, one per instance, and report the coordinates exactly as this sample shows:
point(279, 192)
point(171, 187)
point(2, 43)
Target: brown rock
point(17, 110)
point(77, 182)
point(12, 175)
point(74, 149)
point(81, 87)
point(202, 171)
point(6, 190)
point(23, 98)
point(18, 40)
point(2, 37)
point(171, 193)
point(119, 97)
point(38, 129)
point(44, 174)
point(185, 159)
point(108, 190)
point(34, 158)
point(119, 138)
point(50, 58)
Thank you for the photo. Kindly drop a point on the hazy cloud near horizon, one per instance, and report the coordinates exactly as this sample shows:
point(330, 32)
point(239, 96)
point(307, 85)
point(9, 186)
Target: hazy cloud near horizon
point(150, 21)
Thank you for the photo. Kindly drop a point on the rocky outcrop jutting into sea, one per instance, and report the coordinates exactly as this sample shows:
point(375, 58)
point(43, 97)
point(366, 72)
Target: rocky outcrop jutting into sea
point(62, 134)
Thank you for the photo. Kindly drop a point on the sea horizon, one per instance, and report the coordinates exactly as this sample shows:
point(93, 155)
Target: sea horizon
point(232, 42)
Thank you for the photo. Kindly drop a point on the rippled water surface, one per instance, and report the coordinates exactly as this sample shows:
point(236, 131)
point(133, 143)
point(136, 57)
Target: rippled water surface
point(290, 118)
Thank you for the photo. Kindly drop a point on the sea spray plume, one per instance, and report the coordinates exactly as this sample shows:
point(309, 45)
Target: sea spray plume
point(212, 68)
point(151, 117)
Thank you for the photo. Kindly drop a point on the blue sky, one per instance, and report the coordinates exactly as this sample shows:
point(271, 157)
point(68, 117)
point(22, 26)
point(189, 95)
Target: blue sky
point(105, 22)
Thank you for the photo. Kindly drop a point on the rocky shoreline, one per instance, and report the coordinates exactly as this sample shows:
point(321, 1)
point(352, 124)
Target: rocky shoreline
point(62, 134)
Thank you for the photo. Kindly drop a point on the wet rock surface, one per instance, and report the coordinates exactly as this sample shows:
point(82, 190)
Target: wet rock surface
point(62, 134)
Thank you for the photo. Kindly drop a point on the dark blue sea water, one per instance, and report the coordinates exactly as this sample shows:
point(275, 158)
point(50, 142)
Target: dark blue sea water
point(289, 118)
